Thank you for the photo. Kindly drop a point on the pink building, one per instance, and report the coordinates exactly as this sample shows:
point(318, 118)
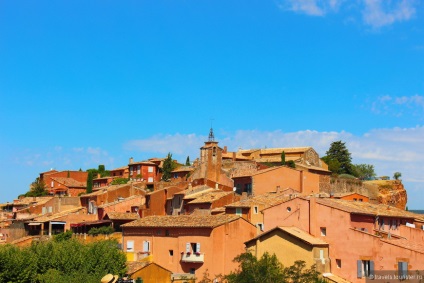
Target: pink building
point(365, 239)
point(187, 243)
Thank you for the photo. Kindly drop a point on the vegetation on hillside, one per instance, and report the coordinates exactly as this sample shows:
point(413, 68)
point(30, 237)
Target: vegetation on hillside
point(64, 260)
point(37, 189)
point(339, 161)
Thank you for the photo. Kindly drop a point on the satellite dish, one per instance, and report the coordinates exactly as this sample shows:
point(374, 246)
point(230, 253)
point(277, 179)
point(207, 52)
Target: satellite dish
point(234, 189)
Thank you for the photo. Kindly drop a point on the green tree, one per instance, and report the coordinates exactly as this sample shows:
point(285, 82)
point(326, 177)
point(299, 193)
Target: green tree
point(291, 164)
point(338, 158)
point(120, 181)
point(68, 175)
point(283, 158)
point(269, 270)
point(397, 175)
point(364, 171)
point(64, 261)
point(37, 189)
point(89, 188)
point(187, 163)
point(168, 166)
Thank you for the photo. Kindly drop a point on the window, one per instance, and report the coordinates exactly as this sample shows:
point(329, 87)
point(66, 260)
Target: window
point(338, 263)
point(171, 252)
point(193, 248)
point(402, 269)
point(166, 232)
point(238, 211)
point(146, 246)
point(255, 209)
point(288, 208)
point(131, 170)
point(260, 226)
point(138, 169)
point(192, 270)
point(130, 246)
point(365, 268)
point(150, 169)
point(150, 180)
point(355, 199)
point(380, 223)
point(361, 199)
point(395, 224)
point(323, 231)
point(52, 184)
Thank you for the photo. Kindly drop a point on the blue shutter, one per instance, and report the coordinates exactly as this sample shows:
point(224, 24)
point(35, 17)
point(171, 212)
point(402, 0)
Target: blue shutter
point(359, 268)
point(371, 269)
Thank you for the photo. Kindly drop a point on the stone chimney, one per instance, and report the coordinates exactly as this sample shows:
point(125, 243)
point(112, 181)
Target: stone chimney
point(131, 160)
point(277, 190)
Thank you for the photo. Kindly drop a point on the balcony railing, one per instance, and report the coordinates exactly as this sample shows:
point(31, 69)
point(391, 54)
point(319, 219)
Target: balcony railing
point(193, 257)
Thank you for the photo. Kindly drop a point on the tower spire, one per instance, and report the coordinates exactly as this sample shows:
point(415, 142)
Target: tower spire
point(211, 135)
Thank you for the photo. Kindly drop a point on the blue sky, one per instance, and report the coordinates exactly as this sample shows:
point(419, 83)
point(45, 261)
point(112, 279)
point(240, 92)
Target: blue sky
point(84, 83)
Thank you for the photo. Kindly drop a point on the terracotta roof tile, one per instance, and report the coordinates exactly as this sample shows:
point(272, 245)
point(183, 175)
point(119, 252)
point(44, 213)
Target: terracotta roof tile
point(210, 197)
point(201, 221)
point(359, 207)
point(122, 216)
point(69, 182)
point(50, 217)
point(183, 169)
point(267, 200)
point(297, 233)
point(404, 243)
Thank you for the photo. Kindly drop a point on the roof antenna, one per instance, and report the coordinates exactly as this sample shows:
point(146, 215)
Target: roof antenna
point(211, 135)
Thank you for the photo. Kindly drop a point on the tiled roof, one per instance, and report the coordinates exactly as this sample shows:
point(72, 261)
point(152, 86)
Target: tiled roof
point(50, 217)
point(143, 162)
point(297, 233)
point(276, 159)
point(31, 200)
point(407, 244)
point(267, 200)
point(210, 197)
point(119, 201)
point(187, 221)
point(110, 188)
point(183, 169)
point(359, 207)
point(276, 150)
point(340, 195)
point(268, 170)
point(134, 266)
point(195, 191)
point(69, 182)
point(302, 235)
point(122, 216)
point(120, 168)
point(311, 167)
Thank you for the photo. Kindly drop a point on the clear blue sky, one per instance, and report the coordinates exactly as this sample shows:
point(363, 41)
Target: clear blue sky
point(84, 83)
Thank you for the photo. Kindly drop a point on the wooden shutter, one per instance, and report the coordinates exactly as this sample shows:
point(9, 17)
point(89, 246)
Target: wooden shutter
point(198, 247)
point(371, 269)
point(188, 247)
point(359, 268)
point(146, 246)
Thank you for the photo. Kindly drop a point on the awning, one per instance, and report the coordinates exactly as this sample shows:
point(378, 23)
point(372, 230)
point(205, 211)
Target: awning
point(58, 222)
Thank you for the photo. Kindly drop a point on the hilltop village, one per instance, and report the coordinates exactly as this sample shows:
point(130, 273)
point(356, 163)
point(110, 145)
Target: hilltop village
point(221, 205)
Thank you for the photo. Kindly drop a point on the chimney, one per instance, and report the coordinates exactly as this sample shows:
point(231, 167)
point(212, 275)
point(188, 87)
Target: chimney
point(277, 190)
point(131, 160)
point(225, 149)
point(98, 175)
point(189, 186)
point(234, 156)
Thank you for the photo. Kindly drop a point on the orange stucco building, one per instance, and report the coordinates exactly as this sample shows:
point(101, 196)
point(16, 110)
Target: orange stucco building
point(187, 243)
point(365, 239)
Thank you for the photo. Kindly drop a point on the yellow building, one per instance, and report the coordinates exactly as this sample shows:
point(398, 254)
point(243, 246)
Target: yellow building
point(290, 244)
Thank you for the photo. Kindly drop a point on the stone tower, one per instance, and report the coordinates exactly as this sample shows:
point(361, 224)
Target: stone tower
point(211, 159)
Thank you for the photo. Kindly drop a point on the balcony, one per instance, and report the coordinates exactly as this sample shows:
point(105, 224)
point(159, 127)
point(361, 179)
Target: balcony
point(193, 257)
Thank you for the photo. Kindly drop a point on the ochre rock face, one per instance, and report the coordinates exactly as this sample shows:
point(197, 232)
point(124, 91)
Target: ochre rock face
point(389, 192)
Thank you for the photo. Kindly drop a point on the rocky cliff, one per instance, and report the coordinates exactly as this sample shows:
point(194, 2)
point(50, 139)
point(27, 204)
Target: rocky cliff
point(387, 192)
